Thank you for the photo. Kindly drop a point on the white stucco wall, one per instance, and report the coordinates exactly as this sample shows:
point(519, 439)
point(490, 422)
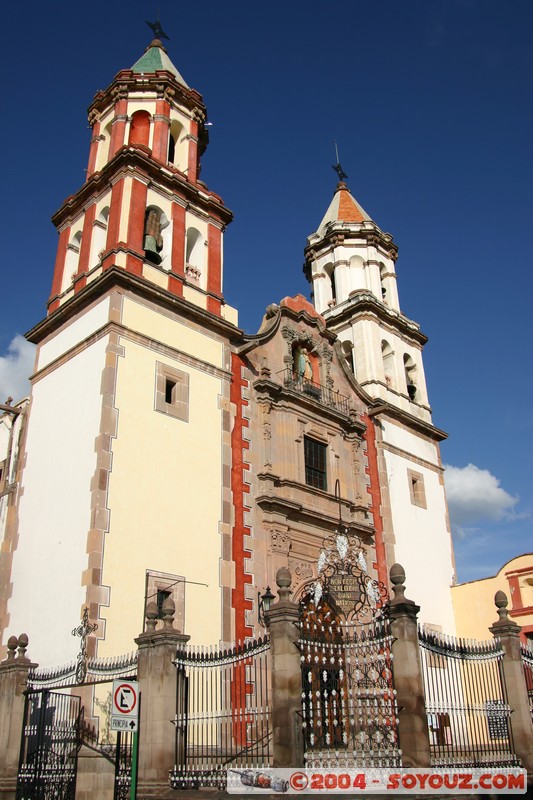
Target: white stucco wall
point(90, 321)
point(54, 512)
point(423, 543)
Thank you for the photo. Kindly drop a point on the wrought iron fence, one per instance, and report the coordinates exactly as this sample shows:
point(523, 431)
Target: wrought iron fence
point(49, 746)
point(97, 669)
point(527, 661)
point(316, 391)
point(222, 713)
point(349, 712)
point(466, 701)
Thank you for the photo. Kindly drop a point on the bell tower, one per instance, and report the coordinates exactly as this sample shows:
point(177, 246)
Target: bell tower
point(125, 493)
point(350, 264)
point(143, 207)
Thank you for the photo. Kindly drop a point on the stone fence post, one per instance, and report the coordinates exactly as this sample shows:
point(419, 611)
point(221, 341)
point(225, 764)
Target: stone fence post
point(157, 678)
point(408, 682)
point(282, 621)
point(508, 632)
point(13, 680)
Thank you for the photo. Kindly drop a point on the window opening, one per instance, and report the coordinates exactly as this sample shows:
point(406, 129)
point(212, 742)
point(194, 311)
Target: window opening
point(417, 490)
point(170, 391)
point(171, 148)
point(162, 595)
point(315, 463)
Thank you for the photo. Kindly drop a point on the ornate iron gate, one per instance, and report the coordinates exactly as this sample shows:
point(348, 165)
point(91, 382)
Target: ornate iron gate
point(348, 700)
point(222, 713)
point(49, 748)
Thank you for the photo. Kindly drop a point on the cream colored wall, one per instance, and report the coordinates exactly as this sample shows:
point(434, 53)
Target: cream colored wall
point(90, 321)
point(423, 543)
point(54, 510)
point(175, 334)
point(473, 602)
point(164, 493)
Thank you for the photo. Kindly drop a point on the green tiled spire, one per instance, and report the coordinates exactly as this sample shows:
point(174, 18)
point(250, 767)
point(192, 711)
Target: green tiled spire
point(154, 58)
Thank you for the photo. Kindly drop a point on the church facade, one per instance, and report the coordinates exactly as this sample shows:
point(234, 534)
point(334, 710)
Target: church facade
point(166, 452)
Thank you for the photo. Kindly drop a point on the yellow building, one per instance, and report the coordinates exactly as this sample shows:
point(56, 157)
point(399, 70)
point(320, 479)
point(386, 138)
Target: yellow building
point(473, 602)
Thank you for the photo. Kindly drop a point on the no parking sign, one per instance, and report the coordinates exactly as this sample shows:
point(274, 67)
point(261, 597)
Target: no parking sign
point(125, 710)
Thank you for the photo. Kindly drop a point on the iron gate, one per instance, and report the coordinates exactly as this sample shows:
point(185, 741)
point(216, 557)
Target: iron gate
point(466, 701)
point(49, 747)
point(222, 713)
point(349, 712)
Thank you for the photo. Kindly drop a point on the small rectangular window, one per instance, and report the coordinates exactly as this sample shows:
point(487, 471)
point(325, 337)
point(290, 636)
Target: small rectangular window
point(315, 454)
point(417, 490)
point(172, 391)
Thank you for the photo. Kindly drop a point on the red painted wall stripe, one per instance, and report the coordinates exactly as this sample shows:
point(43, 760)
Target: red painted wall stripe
point(113, 227)
point(214, 259)
point(239, 490)
point(59, 266)
point(118, 129)
point(192, 172)
point(375, 499)
point(178, 239)
point(161, 131)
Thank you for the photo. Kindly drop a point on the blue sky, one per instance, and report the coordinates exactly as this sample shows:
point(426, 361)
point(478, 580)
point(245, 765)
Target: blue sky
point(430, 102)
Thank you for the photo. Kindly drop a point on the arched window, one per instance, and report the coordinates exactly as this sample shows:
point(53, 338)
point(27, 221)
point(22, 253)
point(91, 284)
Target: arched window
point(330, 272)
point(347, 349)
point(410, 376)
point(176, 145)
point(387, 354)
point(140, 128)
point(194, 255)
point(104, 147)
point(382, 273)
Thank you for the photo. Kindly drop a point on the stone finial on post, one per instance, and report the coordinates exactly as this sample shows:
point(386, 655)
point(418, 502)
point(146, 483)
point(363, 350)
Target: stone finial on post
point(14, 672)
point(508, 632)
point(408, 681)
point(157, 678)
point(282, 621)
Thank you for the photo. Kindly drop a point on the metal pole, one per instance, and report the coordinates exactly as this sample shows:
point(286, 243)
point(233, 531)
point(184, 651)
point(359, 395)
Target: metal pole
point(135, 758)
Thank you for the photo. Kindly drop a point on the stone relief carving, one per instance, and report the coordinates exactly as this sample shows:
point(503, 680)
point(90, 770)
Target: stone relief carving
point(280, 541)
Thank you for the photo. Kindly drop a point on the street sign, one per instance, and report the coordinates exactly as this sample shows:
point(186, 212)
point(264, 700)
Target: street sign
point(125, 711)
point(125, 699)
point(124, 724)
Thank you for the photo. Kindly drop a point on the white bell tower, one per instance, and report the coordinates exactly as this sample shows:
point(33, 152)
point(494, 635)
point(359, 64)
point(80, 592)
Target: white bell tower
point(350, 263)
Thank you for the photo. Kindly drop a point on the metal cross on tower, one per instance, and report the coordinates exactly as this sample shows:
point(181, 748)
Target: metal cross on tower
point(83, 631)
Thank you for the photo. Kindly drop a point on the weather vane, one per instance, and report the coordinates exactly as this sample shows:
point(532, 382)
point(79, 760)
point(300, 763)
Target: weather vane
point(337, 167)
point(158, 31)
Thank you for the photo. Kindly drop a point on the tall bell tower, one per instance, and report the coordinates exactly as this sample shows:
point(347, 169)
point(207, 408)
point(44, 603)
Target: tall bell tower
point(350, 264)
point(125, 492)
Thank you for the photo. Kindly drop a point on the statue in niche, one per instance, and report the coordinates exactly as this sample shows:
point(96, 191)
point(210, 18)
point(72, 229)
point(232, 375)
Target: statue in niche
point(302, 363)
point(153, 241)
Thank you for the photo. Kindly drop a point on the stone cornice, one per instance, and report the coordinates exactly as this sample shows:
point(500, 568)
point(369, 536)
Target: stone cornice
point(388, 410)
point(292, 510)
point(127, 83)
point(137, 162)
point(363, 302)
point(116, 276)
